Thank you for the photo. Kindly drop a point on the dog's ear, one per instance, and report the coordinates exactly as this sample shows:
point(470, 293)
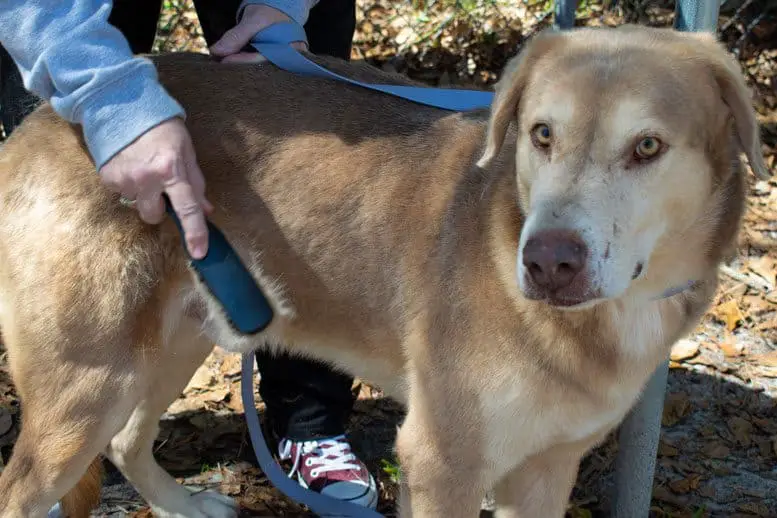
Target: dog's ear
point(736, 95)
point(508, 91)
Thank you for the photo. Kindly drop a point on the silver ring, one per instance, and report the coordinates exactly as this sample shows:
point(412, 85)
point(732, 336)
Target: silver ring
point(127, 202)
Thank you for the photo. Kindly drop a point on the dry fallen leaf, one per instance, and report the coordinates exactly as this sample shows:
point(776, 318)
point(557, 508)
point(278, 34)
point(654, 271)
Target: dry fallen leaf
point(681, 486)
point(730, 349)
point(741, 428)
point(235, 402)
point(684, 349)
point(690, 483)
point(764, 266)
point(214, 395)
point(728, 313)
point(765, 360)
point(676, 406)
point(756, 508)
point(231, 484)
point(716, 450)
point(758, 304)
point(203, 379)
point(667, 450)
point(231, 365)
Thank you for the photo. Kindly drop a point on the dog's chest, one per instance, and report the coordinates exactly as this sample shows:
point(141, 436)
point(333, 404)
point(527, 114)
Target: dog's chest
point(530, 418)
point(525, 415)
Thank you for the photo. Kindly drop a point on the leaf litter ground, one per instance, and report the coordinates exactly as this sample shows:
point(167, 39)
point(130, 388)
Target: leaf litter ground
point(718, 448)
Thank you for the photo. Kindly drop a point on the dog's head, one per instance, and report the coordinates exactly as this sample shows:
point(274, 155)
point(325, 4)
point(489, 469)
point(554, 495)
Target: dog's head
point(625, 144)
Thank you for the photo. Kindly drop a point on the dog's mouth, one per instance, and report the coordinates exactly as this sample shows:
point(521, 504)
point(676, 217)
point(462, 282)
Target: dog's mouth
point(562, 301)
point(571, 303)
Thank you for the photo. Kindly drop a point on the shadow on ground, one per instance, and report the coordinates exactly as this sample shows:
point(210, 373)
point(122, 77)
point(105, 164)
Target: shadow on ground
point(716, 457)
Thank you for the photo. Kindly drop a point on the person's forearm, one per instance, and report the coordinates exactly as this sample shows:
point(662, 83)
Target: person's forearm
point(297, 10)
point(69, 55)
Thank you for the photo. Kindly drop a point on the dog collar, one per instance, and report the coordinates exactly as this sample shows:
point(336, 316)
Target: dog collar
point(676, 290)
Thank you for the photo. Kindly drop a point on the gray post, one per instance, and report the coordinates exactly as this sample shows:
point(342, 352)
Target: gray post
point(637, 448)
point(564, 13)
point(641, 430)
point(696, 15)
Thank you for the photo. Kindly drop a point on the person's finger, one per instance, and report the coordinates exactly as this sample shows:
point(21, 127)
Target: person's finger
point(233, 40)
point(197, 181)
point(189, 212)
point(244, 57)
point(150, 207)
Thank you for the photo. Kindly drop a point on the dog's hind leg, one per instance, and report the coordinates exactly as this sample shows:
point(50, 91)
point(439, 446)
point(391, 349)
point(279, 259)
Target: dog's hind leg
point(131, 450)
point(72, 404)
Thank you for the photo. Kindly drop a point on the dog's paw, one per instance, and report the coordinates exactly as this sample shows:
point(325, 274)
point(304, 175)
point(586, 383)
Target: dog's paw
point(214, 505)
point(203, 504)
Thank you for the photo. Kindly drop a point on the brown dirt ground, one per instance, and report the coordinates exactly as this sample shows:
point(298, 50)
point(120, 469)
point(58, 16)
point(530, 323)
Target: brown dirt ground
point(718, 447)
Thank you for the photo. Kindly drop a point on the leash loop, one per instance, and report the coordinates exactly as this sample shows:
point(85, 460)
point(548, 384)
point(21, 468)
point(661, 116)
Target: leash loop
point(273, 43)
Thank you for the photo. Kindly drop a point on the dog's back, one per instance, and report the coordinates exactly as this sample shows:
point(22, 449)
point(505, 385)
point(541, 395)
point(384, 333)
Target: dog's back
point(367, 161)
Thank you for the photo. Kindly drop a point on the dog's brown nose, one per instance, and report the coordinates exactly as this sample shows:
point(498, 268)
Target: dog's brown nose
point(554, 257)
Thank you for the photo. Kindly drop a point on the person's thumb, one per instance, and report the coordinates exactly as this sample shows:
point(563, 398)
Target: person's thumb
point(233, 40)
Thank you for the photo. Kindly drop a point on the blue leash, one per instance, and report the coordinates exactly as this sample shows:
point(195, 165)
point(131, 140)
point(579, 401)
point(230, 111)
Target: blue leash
point(273, 43)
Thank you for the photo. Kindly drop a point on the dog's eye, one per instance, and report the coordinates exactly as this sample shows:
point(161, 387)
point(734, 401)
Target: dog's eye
point(541, 135)
point(647, 148)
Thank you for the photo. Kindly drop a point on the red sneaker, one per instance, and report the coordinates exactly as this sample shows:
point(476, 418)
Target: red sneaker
point(329, 467)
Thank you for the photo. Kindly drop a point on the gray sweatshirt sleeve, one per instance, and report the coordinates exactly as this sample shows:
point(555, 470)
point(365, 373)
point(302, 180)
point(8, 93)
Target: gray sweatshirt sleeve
point(69, 55)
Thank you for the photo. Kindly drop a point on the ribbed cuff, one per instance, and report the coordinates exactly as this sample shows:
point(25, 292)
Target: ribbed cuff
point(123, 110)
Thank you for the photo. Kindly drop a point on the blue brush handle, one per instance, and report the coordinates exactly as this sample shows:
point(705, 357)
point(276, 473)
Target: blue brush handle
point(229, 281)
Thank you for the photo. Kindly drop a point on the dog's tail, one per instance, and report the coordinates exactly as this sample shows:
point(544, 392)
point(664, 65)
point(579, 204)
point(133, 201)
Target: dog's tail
point(85, 495)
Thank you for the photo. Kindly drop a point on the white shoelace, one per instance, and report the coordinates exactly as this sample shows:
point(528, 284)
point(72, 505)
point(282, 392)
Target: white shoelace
point(328, 455)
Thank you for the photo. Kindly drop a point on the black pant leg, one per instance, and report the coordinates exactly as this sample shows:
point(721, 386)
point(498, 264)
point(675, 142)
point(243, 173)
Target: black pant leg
point(216, 17)
point(330, 28)
point(305, 399)
point(137, 20)
point(16, 102)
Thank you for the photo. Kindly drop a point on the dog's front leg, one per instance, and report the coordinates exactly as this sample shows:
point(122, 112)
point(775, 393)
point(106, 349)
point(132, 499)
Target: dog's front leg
point(441, 471)
point(540, 486)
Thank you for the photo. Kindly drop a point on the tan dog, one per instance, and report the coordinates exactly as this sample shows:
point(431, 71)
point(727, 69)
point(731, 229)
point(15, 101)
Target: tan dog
point(501, 273)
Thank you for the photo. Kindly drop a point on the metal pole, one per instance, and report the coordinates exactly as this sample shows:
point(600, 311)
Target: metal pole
point(564, 14)
point(638, 438)
point(696, 15)
point(641, 430)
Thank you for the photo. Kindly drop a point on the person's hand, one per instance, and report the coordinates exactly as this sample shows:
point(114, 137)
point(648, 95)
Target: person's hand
point(255, 18)
point(162, 160)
